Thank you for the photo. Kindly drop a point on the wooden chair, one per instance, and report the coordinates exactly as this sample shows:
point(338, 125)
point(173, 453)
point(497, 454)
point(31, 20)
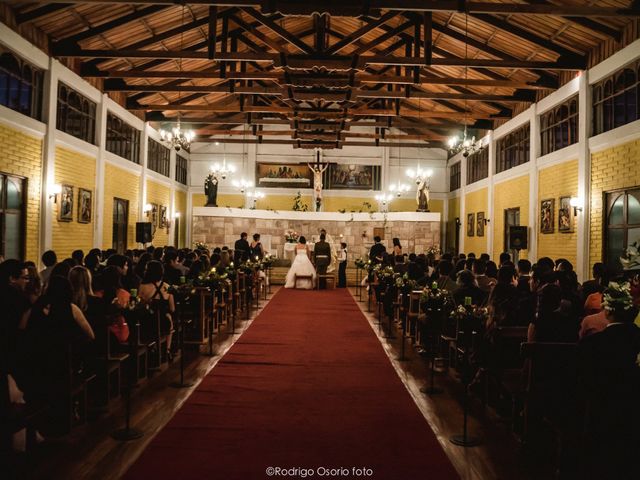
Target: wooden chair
point(198, 332)
point(297, 278)
point(107, 365)
point(328, 278)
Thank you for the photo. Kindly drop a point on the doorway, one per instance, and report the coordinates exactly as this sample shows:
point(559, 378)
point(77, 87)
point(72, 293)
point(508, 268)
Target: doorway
point(120, 224)
point(511, 219)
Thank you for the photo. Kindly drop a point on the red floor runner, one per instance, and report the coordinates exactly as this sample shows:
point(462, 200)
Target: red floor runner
point(308, 385)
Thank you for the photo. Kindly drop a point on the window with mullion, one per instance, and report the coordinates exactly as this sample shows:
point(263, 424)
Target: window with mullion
point(21, 85)
point(513, 149)
point(615, 99)
point(478, 166)
point(122, 139)
point(158, 158)
point(76, 114)
point(454, 177)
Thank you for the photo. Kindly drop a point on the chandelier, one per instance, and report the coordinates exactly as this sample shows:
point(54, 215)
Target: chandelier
point(465, 144)
point(398, 189)
point(222, 170)
point(177, 138)
point(253, 197)
point(383, 200)
point(242, 184)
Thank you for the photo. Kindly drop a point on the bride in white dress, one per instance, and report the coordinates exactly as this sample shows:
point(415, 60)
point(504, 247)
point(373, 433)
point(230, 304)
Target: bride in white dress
point(301, 266)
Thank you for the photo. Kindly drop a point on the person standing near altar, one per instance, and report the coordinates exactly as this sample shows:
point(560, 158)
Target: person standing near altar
point(241, 249)
point(322, 256)
point(377, 250)
point(342, 266)
point(333, 261)
point(256, 248)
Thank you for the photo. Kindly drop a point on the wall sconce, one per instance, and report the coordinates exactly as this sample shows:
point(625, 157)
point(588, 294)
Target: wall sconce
point(176, 215)
point(486, 221)
point(54, 191)
point(458, 223)
point(576, 203)
point(147, 209)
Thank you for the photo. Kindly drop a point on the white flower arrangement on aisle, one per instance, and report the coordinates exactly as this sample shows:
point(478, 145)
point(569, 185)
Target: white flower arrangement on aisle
point(617, 295)
point(632, 259)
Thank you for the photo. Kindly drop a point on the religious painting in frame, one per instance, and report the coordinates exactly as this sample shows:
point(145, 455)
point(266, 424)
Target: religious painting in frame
point(283, 175)
point(353, 177)
point(154, 215)
point(471, 224)
point(85, 205)
point(162, 218)
point(546, 216)
point(65, 211)
point(480, 224)
point(564, 215)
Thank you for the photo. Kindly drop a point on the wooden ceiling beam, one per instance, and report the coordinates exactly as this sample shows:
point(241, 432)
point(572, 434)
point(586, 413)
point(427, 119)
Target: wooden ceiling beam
point(278, 30)
point(39, 12)
point(297, 7)
point(361, 32)
point(312, 61)
point(105, 27)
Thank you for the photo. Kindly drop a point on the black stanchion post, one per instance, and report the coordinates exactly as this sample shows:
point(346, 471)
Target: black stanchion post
point(465, 440)
point(432, 389)
point(127, 433)
point(403, 321)
point(182, 383)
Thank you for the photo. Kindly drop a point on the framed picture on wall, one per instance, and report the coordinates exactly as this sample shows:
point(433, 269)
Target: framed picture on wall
point(154, 215)
point(471, 224)
point(480, 224)
point(65, 211)
point(546, 216)
point(564, 215)
point(162, 221)
point(85, 205)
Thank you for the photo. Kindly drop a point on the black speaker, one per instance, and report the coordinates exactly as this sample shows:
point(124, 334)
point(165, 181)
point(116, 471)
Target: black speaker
point(518, 237)
point(143, 232)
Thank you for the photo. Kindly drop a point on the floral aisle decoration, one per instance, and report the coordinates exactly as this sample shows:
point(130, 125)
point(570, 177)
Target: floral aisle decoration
point(406, 285)
point(435, 298)
point(200, 246)
point(617, 296)
point(214, 279)
point(434, 250)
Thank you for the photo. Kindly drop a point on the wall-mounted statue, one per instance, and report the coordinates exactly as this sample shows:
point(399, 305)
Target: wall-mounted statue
point(211, 190)
point(422, 194)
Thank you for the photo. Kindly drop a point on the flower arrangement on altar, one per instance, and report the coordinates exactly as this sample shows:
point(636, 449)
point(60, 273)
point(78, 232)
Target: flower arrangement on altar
point(434, 250)
point(291, 236)
point(200, 246)
point(631, 261)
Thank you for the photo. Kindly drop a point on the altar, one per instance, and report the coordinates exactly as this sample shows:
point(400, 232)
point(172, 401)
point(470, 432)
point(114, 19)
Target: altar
point(219, 226)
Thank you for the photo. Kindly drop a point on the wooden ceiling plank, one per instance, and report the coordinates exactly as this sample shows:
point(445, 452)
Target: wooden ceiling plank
point(104, 27)
point(361, 32)
point(39, 12)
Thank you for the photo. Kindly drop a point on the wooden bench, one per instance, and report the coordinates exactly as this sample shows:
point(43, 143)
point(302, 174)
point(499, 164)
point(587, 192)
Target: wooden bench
point(297, 277)
point(328, 278)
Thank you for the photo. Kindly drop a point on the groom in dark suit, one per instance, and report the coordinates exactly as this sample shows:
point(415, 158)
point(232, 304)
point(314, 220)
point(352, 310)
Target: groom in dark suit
point(322, 256)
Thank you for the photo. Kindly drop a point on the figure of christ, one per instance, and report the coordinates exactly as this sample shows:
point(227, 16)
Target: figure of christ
point(317, 178)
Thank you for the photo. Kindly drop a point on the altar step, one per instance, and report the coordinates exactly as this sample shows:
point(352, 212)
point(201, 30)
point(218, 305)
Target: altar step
point(278, 275)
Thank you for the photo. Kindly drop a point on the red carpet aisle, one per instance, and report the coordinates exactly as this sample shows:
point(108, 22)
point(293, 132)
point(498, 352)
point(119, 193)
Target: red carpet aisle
point(307, 385)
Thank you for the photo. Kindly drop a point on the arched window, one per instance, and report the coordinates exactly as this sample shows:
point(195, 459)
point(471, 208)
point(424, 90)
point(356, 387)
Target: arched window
point(20, 85)
point(122, 139)
point(75, 115)
point(622, 223)
point(615, 99)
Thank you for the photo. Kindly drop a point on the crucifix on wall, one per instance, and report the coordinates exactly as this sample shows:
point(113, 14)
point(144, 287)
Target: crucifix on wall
point(318, 169)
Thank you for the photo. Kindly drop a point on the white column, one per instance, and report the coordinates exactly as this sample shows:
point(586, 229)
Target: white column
point(584, 177)
point(490, 210)
point(101, 137)
point(534, 153)
point(444, 223)
point(463, 213)
point(189, 217)
point(50, 98)
point(144, 153)
point(172, 195)
point(384, 174)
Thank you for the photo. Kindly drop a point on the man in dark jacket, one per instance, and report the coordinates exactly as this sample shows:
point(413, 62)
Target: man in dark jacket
point(322, 257)
point(241, 249)
point(377, 251)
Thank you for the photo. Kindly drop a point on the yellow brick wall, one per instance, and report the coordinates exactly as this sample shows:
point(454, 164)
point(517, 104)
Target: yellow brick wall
point(410, 205)
point(22, 156)
point(555, 182)
point(475, 202)
point(181, 207)
point(611, 169)
point(123, 184)
point(160, 194)
point(78, 170)
point(453, 213)
point(224, 200)
point(509, 194)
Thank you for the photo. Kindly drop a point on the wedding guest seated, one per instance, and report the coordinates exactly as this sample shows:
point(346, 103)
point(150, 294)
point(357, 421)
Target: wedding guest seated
point(479, 268)
point(140, 267)
point(14, 303)
point(543, 327)
point(53, 324)
point(610, 374)
point(492, 270)
point(49, 259)
point(154, 290)
point(171, 272)
point(196, 270)
point(467, 287)
point(598, 283)
point(444, 280)
point(504, 257)
point(503, 302)
point(33, 289)
point(78, 256)
point(485, 257)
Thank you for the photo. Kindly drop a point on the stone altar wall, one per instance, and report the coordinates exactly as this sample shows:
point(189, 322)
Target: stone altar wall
point(415, 236)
